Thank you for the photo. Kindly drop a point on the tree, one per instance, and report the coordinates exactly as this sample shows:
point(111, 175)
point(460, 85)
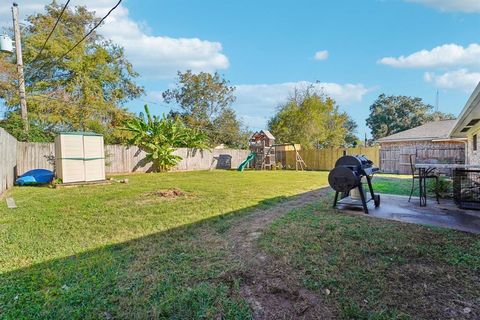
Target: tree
point(392, 114)
point(311, 119)
point(86, 89)
point(351, 139)
point(201, 96)
point(228, 129)
point(159, 136)
point(204, 100)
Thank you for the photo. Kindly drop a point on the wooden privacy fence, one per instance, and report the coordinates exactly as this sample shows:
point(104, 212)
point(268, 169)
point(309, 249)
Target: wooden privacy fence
point(122, 159)
point(324, 159)
point(396, 159)
point(126, 159)
point(8, 160)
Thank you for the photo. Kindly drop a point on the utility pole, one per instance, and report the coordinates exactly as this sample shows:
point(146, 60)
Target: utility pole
point(21, 80)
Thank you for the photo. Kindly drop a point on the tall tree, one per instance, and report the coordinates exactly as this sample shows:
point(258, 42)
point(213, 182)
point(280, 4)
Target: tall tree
point(201, 96)
point(228, 129)
point(84, 90)
point(392, 114)
point(351, 139)
point(311, 119)
point(204, 100)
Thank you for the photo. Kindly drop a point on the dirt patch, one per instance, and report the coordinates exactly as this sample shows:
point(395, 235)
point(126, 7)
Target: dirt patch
point(167, 193)
point(272, 289)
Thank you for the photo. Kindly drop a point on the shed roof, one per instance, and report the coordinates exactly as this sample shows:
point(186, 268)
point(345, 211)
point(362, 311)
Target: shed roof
point(428, 131)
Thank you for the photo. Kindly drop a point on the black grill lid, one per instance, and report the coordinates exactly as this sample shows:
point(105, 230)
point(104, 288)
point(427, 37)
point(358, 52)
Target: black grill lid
point(353, 161)
point(343, 179)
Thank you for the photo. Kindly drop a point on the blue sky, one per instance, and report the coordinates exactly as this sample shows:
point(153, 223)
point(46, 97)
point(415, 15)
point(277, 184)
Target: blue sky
point(266, 48)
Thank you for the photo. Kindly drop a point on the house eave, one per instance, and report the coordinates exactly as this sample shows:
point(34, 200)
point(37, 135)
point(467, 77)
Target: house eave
point(472, 103)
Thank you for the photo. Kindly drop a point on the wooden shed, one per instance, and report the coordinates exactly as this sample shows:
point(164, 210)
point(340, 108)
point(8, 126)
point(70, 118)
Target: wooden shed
point(430, 142)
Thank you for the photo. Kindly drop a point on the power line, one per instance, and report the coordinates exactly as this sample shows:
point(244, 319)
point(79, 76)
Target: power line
point(51, 32)
point(83, 38)
point(89, 32)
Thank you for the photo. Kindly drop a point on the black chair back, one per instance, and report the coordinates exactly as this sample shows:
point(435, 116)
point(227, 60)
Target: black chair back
point(412, 164)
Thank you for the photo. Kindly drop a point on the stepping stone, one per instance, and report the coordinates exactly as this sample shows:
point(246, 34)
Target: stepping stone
point(11, 203)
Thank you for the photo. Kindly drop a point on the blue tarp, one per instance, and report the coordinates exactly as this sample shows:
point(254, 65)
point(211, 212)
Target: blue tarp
point(36, 176)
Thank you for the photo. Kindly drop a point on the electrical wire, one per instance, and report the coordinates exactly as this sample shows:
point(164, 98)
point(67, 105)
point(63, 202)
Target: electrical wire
point(82, 39)
point(89, 32)
point(51, 32)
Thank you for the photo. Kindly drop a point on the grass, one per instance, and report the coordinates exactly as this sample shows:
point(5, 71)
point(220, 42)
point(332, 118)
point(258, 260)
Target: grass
point(402, 184)
point(117, 251)
point(121, 252)
point(377, 269)
point(392, 184)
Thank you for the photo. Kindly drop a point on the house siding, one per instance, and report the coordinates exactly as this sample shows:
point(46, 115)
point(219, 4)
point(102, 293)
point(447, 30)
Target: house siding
point(473, 155)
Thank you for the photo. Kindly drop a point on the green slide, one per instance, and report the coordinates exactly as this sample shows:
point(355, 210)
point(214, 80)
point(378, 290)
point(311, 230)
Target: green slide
point(245, 162)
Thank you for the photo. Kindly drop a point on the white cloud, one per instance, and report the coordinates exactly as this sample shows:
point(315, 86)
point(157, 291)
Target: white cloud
point(152, 55)
point(461, 79)
point(256, 103)
point(162, 56)
point(441, 56)
point(469, 6)
point(321, 55)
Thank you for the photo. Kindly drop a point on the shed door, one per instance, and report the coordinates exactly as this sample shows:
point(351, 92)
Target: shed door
point(94, 158)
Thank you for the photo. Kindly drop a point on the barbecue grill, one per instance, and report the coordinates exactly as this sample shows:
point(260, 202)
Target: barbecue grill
point(347, 179)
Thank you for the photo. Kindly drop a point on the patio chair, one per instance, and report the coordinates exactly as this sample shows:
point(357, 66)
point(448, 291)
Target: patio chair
point(416, 176)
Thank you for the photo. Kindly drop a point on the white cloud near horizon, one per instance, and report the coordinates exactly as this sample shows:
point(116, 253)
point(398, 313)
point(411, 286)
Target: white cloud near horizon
point(154, 56)
point(468, 6)
point(446, 55)
point(321, 55)
point(461, 79)
point(256, 103)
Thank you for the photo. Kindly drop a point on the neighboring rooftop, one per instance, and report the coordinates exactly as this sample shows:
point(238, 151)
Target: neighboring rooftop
point(428, 131)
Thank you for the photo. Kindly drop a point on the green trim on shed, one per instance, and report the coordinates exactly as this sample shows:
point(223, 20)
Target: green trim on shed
point(83, 159)
point(80, 133)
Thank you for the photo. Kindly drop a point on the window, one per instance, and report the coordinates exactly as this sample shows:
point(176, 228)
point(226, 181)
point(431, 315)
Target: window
point(474, 142)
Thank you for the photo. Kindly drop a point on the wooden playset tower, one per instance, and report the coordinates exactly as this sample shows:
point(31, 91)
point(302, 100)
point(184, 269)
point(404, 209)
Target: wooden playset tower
point(262, 143)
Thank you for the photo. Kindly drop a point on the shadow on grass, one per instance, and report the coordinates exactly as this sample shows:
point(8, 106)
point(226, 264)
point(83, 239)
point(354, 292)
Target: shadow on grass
point(182, 273)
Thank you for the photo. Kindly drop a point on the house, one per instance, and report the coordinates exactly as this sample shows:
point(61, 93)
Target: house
point(431, 141)
point(467, 127)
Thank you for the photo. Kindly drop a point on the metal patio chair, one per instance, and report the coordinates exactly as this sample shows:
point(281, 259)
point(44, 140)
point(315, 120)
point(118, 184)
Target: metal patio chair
point(416, 175)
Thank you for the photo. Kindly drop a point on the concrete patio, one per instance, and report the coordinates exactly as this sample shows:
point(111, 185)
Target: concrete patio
point(446, 214)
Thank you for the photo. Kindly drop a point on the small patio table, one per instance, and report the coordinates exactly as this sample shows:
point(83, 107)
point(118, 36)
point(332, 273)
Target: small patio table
point(426, 168)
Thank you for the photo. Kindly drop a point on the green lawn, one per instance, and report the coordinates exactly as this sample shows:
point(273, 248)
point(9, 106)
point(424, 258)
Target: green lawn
point(89, 252)
point(402, 184)
point(121, 251)
point(392, 184)
point(378, 269)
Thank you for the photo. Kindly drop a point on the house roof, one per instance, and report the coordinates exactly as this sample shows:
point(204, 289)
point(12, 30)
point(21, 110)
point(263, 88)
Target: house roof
point(429, 131)
point(469, 116)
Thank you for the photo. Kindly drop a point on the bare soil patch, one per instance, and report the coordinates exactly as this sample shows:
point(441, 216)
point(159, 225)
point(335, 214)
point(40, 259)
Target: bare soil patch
point(271, 288)
point(167, 193)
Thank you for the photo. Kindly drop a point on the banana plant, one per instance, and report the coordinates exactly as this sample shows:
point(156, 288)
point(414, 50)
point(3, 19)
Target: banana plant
point(160, 136)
